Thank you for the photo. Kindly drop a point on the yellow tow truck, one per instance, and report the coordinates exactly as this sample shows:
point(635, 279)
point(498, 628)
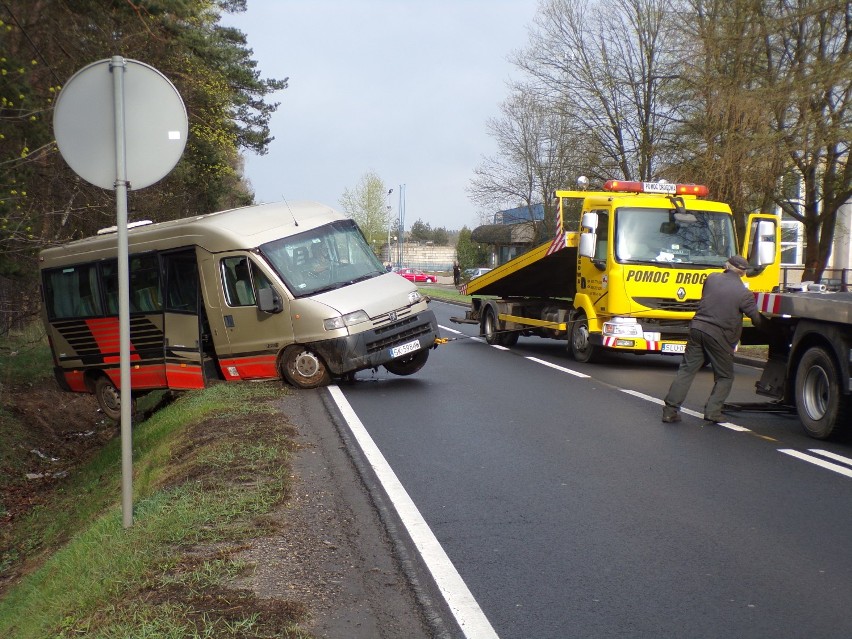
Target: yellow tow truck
point(630, 278)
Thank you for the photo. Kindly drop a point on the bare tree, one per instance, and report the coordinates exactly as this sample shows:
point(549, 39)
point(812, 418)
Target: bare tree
point(610, 61)
point(536, 156)
point(367, 205)
point(808, 47)
point(723, 135)
point(769, 86)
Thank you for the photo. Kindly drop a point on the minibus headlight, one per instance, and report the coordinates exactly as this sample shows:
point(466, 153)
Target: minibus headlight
point(350, 319)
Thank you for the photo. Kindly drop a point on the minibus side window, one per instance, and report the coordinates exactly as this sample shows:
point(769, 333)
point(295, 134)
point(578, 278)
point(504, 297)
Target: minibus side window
point(181, 283)
point(145, 283)
point(237, 280)
point(73, 292)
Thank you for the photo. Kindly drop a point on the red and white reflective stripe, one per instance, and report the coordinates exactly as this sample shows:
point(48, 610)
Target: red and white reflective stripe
point(768, 302)
point(612, 342)
point(557, 244)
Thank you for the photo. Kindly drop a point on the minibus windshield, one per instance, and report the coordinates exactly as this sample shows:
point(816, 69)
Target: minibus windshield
point(700, 238)
point(322, 259)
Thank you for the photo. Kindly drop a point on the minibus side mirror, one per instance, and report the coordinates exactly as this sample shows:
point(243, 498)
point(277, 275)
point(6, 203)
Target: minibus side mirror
point(269, 301)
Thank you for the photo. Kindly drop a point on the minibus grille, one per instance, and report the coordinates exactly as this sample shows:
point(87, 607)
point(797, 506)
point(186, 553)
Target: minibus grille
point(668, 304)
point(386, 320)
point(400, 332)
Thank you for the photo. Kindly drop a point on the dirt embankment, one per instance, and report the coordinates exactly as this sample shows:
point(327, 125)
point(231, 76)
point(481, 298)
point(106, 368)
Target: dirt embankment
point(327, 550)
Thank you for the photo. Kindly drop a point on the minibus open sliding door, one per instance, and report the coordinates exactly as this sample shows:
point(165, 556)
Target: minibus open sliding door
point(188, 349)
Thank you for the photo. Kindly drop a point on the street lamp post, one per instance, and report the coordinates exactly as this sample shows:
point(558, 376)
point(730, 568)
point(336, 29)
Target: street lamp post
point(387, 218)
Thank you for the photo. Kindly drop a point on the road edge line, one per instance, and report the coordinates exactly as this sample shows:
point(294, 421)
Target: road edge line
point(459, 600)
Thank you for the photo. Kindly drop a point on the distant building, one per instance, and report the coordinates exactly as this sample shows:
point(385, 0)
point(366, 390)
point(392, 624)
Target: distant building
point(534, 213)
point(512, 233)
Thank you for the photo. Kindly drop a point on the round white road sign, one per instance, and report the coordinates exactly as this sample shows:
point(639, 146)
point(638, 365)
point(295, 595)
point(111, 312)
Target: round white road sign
point(155, 124)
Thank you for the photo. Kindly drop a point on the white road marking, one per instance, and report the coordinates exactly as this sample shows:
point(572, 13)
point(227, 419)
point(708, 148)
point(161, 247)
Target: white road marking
point(834, 456)
point(450, 330)
point(557, 367)
point(842, 470)
point(468, 614)
point(688, 411)
point(728, 425)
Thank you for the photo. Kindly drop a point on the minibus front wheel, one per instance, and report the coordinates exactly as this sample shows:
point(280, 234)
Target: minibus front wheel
point(408, 364)
point(303, 368)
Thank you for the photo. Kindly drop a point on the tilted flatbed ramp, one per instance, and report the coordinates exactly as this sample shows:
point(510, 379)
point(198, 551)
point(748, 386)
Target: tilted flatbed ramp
point(828, 307)
point(533, 274)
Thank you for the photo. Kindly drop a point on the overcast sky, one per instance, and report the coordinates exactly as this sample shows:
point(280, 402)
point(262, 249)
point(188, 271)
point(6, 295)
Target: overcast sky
point(400, 87)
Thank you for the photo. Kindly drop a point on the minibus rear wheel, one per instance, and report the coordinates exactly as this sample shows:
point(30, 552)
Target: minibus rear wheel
point(109, 398)
point(303, 368)
point(409, 364)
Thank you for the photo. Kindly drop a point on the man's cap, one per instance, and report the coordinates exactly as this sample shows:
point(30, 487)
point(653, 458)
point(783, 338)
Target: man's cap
point(738, 262)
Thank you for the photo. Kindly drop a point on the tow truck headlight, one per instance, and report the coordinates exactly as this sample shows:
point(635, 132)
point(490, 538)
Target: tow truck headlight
point(622, 327)
point(341, 321)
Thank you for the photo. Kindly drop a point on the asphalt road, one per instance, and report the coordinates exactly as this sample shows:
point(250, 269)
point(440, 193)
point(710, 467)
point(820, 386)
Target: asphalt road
point(570, 510)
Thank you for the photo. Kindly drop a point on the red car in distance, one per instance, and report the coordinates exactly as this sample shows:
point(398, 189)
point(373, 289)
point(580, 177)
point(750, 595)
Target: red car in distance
point(413, 275)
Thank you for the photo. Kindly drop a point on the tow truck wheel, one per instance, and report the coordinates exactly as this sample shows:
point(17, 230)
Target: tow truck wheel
point(819, 402)
point(510, 338)
point(581, 349)
point(409, 364)
point(489, 326)
point(303, 368)
point(109, 398)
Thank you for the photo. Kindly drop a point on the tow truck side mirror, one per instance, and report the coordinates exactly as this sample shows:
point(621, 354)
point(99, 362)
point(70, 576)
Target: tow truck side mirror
point(589, 240)
point(765, 243)
point(590, 221)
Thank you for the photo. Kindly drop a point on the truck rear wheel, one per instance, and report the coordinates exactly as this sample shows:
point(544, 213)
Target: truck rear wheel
point(581, 348)
point(489, 326)
point(409, 364)
point(491, 330)
point(819, 402)
point(303, 368)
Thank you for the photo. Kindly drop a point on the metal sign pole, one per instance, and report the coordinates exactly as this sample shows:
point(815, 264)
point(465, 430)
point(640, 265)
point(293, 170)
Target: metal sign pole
point(117, 67)
point(110, 147)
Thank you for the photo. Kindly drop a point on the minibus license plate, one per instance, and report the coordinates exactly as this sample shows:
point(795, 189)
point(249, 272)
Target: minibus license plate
point(674, 348)
point(405, 349)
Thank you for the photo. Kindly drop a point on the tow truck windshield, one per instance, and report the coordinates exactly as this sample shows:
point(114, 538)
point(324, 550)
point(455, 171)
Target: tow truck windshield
point(699, 238)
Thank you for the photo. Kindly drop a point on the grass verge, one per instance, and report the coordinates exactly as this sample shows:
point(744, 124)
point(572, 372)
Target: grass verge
point(446, 294)
point(207, 470)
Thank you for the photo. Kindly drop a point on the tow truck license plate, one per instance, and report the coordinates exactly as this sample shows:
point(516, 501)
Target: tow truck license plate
point(405, 349)
point(674, 348)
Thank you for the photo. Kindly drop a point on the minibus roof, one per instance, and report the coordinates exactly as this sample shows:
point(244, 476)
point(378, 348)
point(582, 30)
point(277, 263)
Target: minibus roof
point(234, 229)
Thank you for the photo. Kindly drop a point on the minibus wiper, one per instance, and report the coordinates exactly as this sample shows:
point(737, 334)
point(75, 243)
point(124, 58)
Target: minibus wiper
point(366, 276)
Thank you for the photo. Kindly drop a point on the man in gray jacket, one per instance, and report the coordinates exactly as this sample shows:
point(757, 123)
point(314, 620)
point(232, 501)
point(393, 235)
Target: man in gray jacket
point(713, 336)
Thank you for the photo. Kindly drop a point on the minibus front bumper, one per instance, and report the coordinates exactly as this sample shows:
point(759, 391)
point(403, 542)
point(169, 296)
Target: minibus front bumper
point(374, 347)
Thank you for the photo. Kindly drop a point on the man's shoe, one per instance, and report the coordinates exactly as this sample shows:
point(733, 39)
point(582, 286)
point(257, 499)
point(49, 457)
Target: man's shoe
point(716, 419)
point(670, 415)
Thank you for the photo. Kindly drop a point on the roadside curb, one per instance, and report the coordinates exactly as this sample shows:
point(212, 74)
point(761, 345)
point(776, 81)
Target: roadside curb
point(435, 610)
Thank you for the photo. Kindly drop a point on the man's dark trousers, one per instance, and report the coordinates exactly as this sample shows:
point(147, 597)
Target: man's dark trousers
point(699, 347)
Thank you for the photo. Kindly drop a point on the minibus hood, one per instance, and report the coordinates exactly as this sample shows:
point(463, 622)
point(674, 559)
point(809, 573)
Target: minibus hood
point(375, 296)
